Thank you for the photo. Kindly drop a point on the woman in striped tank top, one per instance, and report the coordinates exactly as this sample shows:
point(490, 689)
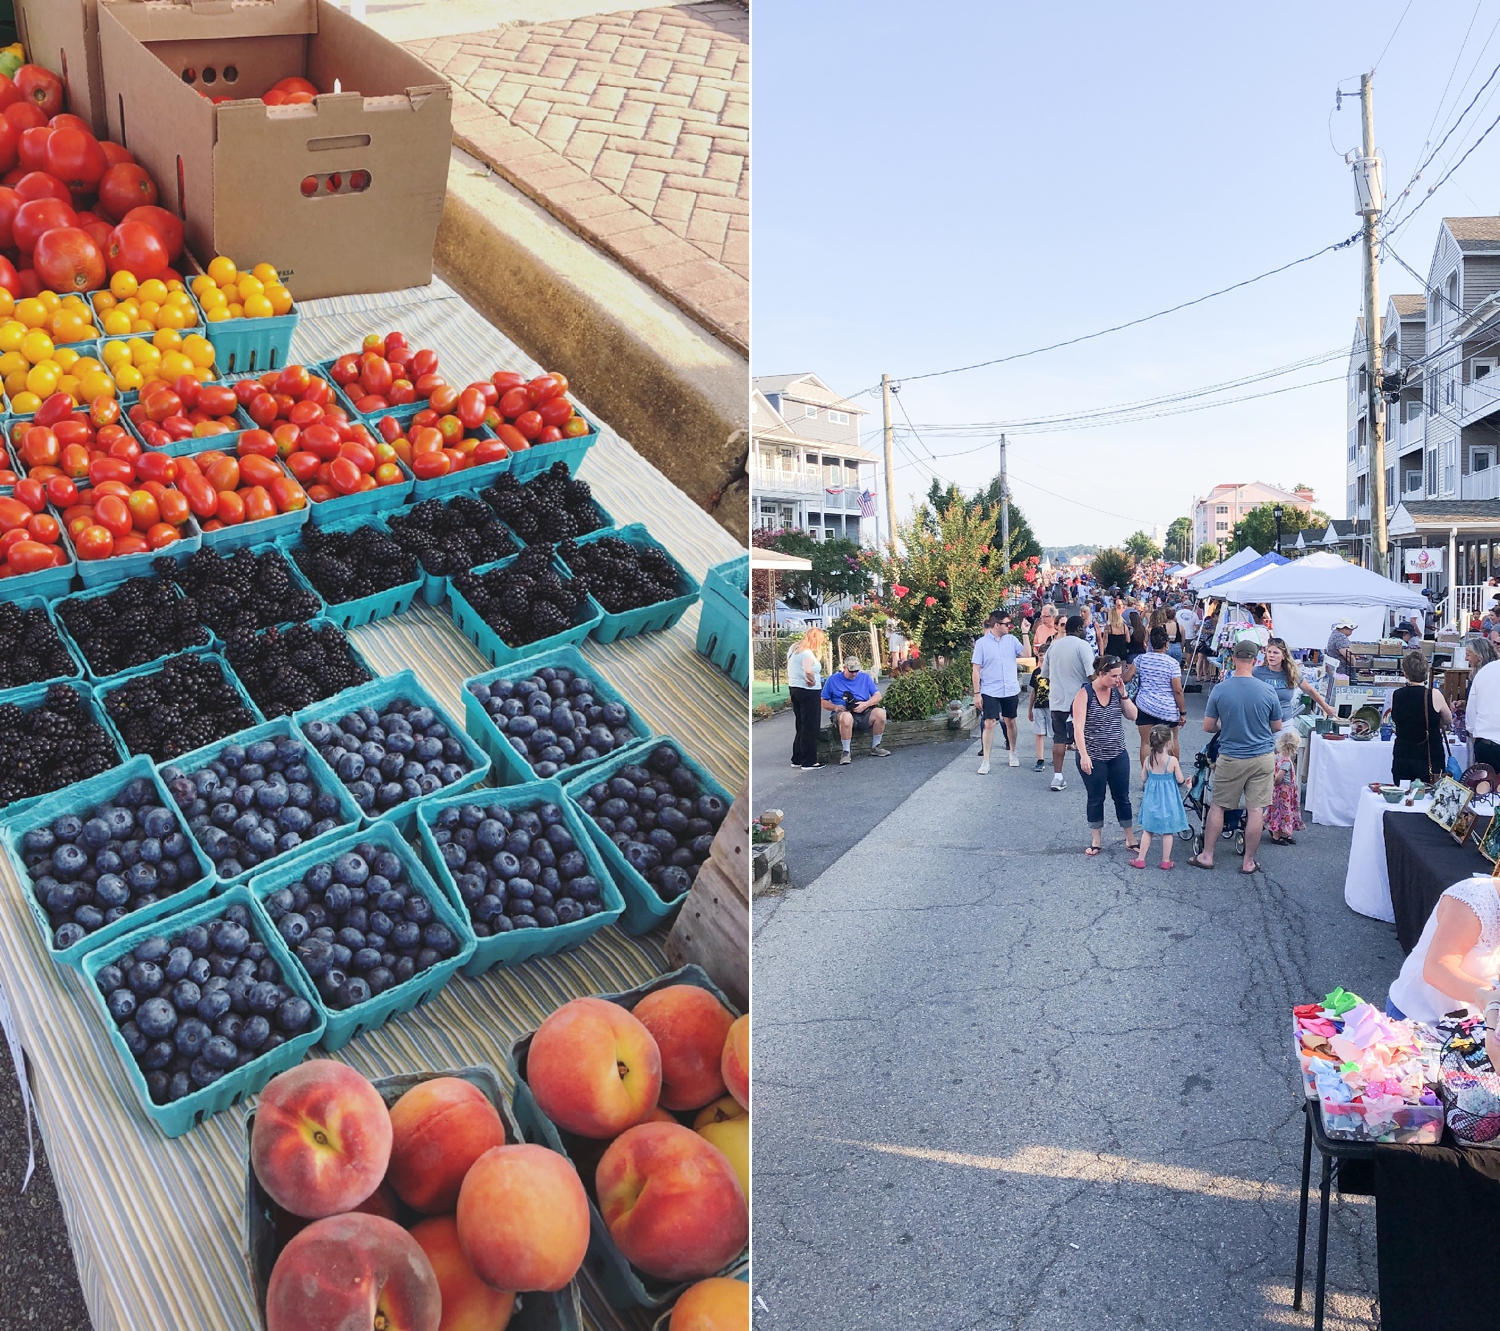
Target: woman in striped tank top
point(1103, 762)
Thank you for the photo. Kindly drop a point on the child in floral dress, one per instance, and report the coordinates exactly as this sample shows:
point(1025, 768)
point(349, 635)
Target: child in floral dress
point(1285, 815)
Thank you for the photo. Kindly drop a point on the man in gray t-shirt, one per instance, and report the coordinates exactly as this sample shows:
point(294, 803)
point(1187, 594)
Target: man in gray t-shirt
point(1067, 667)
point(1245, 713)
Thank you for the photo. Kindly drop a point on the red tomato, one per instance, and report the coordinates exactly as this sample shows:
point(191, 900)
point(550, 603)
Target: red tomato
point(115, 155)
point(44, 527)
point(31, 147)
point(426, 466)
point(23, 115)
point(357, 453)
point(344, 476)
point(471, 407)
point(488, 450)
point(575, 427)
point(156, 467)
point(444, 399)
point(257, 470)
point(321, 439)
point(145, 513)
point(231, 509)
point(541, 388)
point(136, 247)
point(112, 513)
point(503, 380)
point(375, 374)
point(161, 403)
point(426, 383)
point(304, 414)
point(36, 217)
point(224, 475)
point(555, 410)
point(29, 557)
point(512, 438)
point(163, 533)
point(32, 493)
point(174, 507)
point(39, 447)
point(288, 495)
point(217, 399)
point(451, 428)
point(303, 465)
point(9, 141)
point(61, 491)
point(550, 435)
point(13, 513)
point(529, 423)
point(319, 391)
point(75, 158)
point(402, 392)
point(67, 259)
point(258, 442)
point(262, 409)
point(167, 225)
point(345, 370)
point(258, 503)
point(41, 87)
point(293, 381)
point(124, 187)
point(512, 403)
point(201, 496)
point(389, 473)
point(132, 543)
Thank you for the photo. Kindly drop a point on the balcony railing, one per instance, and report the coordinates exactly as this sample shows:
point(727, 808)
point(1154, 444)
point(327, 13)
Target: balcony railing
point(1481, 484)
point(809, 488)
point(1479, 399)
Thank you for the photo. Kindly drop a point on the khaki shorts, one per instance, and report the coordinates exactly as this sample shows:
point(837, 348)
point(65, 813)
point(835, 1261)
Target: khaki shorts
point(1250, 779)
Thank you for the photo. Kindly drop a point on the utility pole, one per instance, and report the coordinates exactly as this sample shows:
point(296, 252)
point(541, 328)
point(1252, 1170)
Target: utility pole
point(1369, 192)
point(890, 463)
point(1004, 508)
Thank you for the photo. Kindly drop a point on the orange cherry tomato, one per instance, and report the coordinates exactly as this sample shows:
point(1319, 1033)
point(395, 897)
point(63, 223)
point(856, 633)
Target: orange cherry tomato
point(258, 503)
point(224, 474)
point(104, 411)
point(388, 473)
point(258, 470)
point(174, 508)
point(231, 509)
point(145, 512)
point(94, 542)
point(44, 528)
point(163, 533)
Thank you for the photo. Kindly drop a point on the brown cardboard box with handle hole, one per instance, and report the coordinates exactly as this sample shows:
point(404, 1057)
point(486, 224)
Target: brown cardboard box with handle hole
point(341, 195)
point(63, 35)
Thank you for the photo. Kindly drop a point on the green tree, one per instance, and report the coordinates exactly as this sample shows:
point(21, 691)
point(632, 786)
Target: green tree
point(1180, 539)
point(1141, 547)
point(1257, 529)
point(1023, 542)
point(836, 570)
point(1112, 568)
point(1207, 554)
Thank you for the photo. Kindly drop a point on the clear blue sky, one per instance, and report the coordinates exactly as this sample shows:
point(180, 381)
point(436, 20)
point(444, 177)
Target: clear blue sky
point(941, 185)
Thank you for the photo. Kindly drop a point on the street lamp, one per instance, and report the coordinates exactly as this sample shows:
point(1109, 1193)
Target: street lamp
point(1276, 513)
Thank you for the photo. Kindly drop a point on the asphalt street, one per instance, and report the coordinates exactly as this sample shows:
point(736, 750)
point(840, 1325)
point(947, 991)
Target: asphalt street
point(1002, 1085)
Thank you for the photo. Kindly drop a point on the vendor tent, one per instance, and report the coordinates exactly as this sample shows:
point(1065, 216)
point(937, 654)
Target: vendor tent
point(1308, 595)
point(1237, 560)
point(1212, 584)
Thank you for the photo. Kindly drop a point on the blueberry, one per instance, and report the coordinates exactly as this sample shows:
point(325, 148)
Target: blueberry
point(263, 997)
point(293, 927)
point(186, 996)
point(191, 1035)
point(158, 1054)
point(121, 1004)
point(39, 841)
point(213, 1004)
point(294, 1015)
point(254, 1033)
point(69, 860)
point(231, 938)
point(157, 1018)
point(220, 1053)
point(229, 1026)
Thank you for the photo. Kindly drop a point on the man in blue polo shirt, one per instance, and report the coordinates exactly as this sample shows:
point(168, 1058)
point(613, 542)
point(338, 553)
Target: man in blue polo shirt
point(997, 687)
point(853, 698)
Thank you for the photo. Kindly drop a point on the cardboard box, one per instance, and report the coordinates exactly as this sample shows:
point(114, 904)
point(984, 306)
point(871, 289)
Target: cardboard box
point(63, 35)
point(377, 158)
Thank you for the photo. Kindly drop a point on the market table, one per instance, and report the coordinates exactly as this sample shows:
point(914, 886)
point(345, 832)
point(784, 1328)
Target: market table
point(1367, 883)
point(157, 1225)
point(1424, 861)
point(1337, 770)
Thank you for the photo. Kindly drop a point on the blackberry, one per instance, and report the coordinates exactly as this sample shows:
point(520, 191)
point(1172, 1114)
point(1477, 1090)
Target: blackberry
point(285, 671)
point(186, 704)
point(30, 648)
point(139, 621)
point(525, 601)
point(620, 576)
point(55, 744)
point(347, 565)
point(450, 538)
point(243, 591)
point(549, 507)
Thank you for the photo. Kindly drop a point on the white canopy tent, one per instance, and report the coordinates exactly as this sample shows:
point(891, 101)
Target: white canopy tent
point(1239, 557)
point(1308, 596)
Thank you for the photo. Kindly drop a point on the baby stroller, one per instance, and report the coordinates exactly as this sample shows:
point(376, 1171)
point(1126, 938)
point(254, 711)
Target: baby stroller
point(1196, 801)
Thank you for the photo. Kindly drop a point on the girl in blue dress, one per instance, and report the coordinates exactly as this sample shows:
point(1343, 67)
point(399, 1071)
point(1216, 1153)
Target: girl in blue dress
point(1162, 813)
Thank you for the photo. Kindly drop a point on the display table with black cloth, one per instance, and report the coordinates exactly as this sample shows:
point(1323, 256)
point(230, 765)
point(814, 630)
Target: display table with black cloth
point(1367, 882)
point(1423, 861)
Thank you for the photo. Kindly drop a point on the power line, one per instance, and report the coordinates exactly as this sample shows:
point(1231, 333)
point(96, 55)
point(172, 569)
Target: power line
point(1130, 323)
point(1392, 37)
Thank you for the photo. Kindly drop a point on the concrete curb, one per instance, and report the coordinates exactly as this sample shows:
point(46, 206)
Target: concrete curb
point(678, 394)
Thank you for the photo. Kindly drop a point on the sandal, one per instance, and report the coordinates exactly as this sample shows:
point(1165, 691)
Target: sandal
point(1168, 864)
point(1198, 864)
point(1137, 864)
point(1254, 868)
point(1091, 850)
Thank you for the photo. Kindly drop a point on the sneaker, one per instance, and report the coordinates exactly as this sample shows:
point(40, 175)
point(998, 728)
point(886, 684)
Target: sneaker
point(984, 767)
point(1057, 781)
point(1015, 760)
point(1040, 766)
point(844, 758)
point(812, 767)
point(879, 751)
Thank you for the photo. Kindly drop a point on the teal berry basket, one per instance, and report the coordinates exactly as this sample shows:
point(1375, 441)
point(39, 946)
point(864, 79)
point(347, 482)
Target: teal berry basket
point(252, 346)
point(78, 670)
point(435, 586)
point(98, 314)
point(210, 641)
point(624, 1285)
point(648, 618)
point(319, 625)
point(645, 908)
point(396, 688)
point(322, 780)
point(114, 682)
point(119, 568)
point(47, 583)
point(28, 698)
point(280, 526)
point(511, 768)
point(226, 442)
point(518, 945)
point(724, 625)
point(342, 1026)
point(558, 1311)
point(81, 798)
point(367, 503)
point(364, 609)
point(494, 648)
point(468, 481)
point(538, 458)
point(180, 1117)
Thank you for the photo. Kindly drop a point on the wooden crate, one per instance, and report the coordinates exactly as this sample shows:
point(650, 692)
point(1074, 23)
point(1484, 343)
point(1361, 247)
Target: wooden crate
point(713, 927)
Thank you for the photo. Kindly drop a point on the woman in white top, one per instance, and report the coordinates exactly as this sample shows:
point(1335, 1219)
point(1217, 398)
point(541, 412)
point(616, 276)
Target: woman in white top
point(1482, 708)
point(1456, 962)
point(804, 676)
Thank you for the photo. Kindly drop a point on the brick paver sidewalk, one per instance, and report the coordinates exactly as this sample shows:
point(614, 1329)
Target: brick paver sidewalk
point(633, 128)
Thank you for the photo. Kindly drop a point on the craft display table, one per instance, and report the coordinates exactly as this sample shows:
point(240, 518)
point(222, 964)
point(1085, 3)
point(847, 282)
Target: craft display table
point(1423, 861)
point(157, 1225)
point(1338, 770)
point(1367, 882)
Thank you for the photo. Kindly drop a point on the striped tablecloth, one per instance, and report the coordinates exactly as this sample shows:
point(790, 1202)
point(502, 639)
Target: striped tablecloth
point(157, 1224)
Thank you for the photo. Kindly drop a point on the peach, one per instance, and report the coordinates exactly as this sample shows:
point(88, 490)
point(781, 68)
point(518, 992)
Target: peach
point(715, 1304)
point(672, 1201)
point(349, 1271)
point(523, 1218)
point(468, 1303)
point(593, 1068)
point(381, 1202)
point(689, 1026)
point(735, 1063)
point(726, 1108)
point(440, 1128)
point(322, 1139)
point(732, 1136)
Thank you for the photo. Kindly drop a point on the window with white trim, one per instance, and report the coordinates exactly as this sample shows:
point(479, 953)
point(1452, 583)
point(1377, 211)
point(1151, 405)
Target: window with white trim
point(809, 411)
point(839, 417)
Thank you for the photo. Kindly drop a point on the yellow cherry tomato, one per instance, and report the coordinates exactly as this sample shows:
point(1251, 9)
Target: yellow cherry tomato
point(116, 322)
point(23, 400)
point(222, 270)
point(258, 307)
point(280, 298)
point(199, 349)
point(96, 383)
point(66, 358)
point(36, 346)
point(50, 299)
point(7, 304)
point(266, 273)
point(218, 314)
point(42, 379)
point(123, 284)
point(32, 312)
point(153, 289)
point(128, 377)
point(13, 362)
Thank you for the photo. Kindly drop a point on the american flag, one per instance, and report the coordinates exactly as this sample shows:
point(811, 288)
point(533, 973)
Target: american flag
point(866, 504)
